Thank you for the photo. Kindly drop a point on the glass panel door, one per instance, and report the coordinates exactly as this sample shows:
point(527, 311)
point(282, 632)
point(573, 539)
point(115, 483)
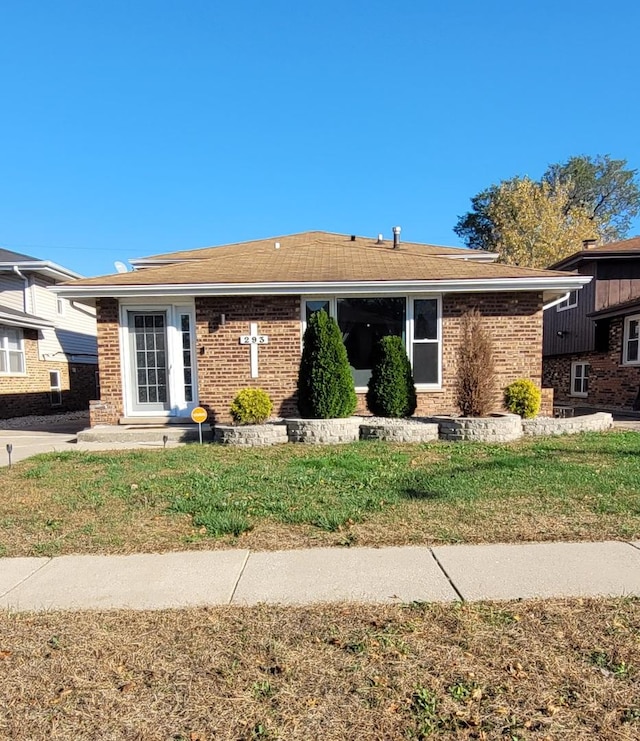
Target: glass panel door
point(149, 367)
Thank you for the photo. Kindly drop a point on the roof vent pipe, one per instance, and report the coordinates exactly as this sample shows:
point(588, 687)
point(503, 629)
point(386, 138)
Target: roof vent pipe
point(396, 237)
point(380, 239)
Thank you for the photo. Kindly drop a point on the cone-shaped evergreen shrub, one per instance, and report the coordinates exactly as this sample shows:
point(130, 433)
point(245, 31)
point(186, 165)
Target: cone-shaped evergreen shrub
point(391, 392)
point(325, 385)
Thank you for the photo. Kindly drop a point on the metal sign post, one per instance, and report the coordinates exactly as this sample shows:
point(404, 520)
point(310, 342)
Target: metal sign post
point(199, 415)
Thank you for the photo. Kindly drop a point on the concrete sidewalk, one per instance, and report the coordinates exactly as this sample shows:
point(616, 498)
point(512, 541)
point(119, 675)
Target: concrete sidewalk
point(240, 577)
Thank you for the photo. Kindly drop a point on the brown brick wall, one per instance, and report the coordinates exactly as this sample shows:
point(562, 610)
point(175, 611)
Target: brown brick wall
point(30, 394)
point(514, 320)
point(223, 364)
point(611, 384)
point(109, 364)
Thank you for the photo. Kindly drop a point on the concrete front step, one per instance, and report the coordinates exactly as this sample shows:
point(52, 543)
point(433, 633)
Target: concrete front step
point(143, 433)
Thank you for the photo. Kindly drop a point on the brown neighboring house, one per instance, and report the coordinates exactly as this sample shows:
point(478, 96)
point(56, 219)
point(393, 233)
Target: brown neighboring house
point(592, 339)
point(48, 353)
point(193, 328)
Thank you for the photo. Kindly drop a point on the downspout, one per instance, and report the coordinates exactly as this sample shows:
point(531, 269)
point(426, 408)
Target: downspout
point(556, 301)
point(25, 304)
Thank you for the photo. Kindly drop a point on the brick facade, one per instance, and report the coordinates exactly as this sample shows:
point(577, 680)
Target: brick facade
point(111, 407)
point(514, 320)
point(611, 384)
point(23, 395)
point(223, 364)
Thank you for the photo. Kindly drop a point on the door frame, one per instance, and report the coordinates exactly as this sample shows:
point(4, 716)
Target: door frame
point(178, 406)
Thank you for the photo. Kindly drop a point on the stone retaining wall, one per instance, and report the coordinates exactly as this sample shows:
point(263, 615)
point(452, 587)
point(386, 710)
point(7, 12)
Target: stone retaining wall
point(500, 428)
point(567, 425)
point(399, 430)
point(326, 431)
point(268, 434)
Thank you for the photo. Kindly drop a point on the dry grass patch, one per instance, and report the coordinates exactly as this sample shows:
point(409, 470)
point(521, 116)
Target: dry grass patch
point(520, 670)
point(370, 494)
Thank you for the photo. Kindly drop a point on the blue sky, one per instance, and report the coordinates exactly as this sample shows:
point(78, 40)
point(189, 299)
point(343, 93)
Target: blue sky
point(133, 128)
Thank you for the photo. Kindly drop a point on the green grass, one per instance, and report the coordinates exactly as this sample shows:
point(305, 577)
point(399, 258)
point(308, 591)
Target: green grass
point(582, 487)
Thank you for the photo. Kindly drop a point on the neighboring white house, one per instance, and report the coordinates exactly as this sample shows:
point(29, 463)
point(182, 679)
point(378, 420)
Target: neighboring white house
point(48, 347)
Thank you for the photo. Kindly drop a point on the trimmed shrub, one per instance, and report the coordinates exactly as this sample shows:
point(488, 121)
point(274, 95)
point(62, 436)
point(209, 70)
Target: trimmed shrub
point(325, 385)
point(523, 397)
point(391, 392)
point(476, 377)
point(251, 407)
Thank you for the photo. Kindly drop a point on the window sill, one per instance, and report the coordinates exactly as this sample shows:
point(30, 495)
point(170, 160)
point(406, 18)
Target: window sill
point(420, 387)
point(579, 396)
point(14, 375)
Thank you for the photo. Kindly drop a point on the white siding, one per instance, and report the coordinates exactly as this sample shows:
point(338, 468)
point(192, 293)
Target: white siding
point(11, 291)
point(74, 332)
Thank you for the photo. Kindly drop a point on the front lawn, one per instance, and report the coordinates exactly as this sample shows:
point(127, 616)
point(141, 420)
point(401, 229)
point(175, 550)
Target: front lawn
point(558, 669)
point(585, 487)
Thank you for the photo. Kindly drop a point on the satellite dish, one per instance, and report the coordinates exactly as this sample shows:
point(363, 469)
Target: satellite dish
point(120, 267)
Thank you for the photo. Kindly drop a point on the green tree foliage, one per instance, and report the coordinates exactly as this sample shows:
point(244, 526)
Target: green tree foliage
point(532, 225)
point(601, 188)
point(391, 392)
point(251, 406)
point(523, 397)
point(325, 385)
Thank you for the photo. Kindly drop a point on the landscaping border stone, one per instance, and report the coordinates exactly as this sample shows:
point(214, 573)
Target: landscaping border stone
point(498, 428)
point(415, 430)
point(272, 433)
point(323, 431)
point(596, 422)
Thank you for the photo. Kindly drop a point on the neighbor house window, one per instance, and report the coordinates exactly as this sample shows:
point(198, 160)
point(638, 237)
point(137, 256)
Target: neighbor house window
point(579, 379)
point(569, 303)
point(631, 342)
point(56, 388)
point(365, 321)
point(11, 351)
point(60, 306)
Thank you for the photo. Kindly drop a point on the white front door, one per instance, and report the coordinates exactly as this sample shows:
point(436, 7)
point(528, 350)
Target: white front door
point(160, 377)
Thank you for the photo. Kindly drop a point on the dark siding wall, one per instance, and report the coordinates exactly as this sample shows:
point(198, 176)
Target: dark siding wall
point(578, 331)
point(617, 281)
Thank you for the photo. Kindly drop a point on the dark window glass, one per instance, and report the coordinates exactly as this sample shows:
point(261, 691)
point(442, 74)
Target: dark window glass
point(313, 306)
point(425, 319)
point(363, 322)
point(425, 362)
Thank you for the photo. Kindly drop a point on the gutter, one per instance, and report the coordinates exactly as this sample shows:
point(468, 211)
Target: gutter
point(25, 306)
point(569, 283)
point(551, 304)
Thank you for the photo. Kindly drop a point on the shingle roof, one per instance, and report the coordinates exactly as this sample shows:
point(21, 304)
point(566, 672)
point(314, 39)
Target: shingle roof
point(303, 239)
point(317, 261)
point(9, 256)
point(623, 248)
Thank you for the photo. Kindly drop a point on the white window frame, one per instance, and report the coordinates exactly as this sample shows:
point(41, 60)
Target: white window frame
point(583, 378)
point(55, 388)
point(4, 350)
point(61, 306)
point(409, 325)
point(568, 303)
point(626, 340)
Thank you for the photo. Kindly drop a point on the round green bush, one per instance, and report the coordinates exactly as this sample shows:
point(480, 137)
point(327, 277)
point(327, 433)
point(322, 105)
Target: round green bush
point(251, 407)
point(391, 392)
point(325, 385)
point(523, 397)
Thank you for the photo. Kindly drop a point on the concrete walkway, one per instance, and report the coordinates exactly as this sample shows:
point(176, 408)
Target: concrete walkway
point(387, 575)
